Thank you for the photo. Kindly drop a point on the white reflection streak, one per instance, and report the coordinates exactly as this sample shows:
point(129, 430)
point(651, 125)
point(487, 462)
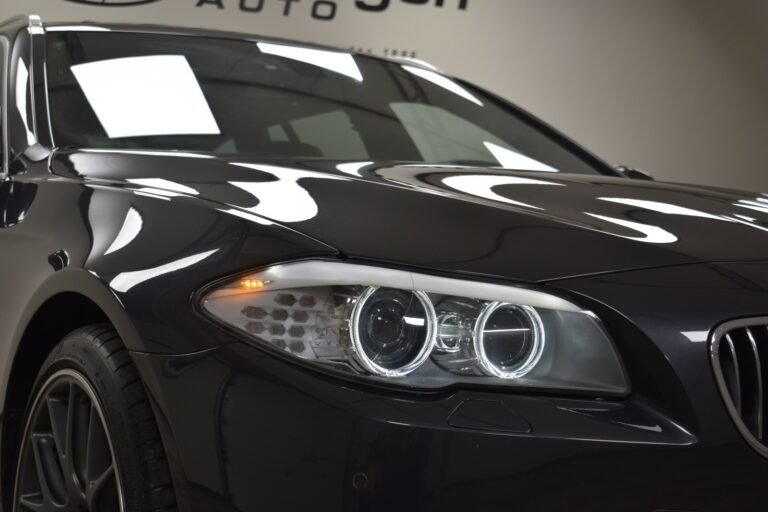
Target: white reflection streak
point(22, 89)
point(752, 205)
point(163, 185)
point(76, 28)
point(511, 159)
point(442, 81)
point(666, 208)
point(696, 336)
point(156, 194)
point(283, 200)
point(481, 185)
point(416, 322)
point(650, 428)
point(353, 168)
point(338, 62)
point(144, 96)
point(652, 234)
point(147, 153)
point(671, 209)
point(130, 230)
point(247, 216)
point(127, 280)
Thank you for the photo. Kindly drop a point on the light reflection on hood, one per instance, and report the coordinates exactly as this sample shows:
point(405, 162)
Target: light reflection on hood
point(481, 185)
point(651, 234)
point(283, 200)
point(666, 208)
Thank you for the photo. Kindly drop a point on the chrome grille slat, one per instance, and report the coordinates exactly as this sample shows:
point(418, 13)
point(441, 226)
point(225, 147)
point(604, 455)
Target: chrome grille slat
point(739, 353)
point(734, 380)
point(759, 390)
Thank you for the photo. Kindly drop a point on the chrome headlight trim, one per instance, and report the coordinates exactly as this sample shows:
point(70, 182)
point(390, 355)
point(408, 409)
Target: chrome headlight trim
point(305, 274)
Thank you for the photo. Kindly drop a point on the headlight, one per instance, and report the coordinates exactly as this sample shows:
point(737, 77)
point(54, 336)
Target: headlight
point(418, 330)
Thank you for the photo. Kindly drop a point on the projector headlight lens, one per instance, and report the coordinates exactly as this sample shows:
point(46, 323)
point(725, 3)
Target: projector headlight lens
point(509, 340)
point(420, 331)
point(392, 330)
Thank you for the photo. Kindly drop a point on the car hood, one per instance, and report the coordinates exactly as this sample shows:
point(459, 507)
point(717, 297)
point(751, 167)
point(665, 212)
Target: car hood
point(513, 225)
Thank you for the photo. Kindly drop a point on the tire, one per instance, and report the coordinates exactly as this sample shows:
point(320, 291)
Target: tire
point(91, 442)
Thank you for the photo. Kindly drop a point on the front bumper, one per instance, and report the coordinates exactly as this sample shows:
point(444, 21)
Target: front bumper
point(248, 431)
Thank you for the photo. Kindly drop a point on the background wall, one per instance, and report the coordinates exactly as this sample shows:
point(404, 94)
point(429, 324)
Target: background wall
point(676, 87)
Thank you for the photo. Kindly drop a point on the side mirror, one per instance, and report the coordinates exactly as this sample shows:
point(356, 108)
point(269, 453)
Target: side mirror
point(632, 173)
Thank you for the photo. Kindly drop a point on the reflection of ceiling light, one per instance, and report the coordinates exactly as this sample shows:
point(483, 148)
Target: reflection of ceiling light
point(22, 89)
point(752, 205)
point(481, 185)
point(165, 185)
point(146, 96)
point(442, 81)
point(338, 62)
point(247, 216)
point(696, 336)
point(510, 159)
point(283, 200)
point(669, 209)
point(169, 152)
point(651, 234)
point(76, 28)
point(127, 280)
point(130, 230)
point(353, 168)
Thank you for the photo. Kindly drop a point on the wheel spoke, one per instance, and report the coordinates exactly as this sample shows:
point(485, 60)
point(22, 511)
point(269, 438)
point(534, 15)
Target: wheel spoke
point(98, 485)
point(67, 461)
point(79, 418)
point(48, 473)
point(58, 411)
point(32, 502)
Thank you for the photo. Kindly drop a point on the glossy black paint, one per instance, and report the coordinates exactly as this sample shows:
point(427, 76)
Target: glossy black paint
point(660, 264)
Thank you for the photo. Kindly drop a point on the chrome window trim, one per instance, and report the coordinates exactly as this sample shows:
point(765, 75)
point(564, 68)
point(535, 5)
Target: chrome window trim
point(718, 336)
point(5, 48)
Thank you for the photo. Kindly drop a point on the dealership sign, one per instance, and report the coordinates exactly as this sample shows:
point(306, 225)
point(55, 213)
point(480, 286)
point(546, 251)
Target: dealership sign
point(319, 9)
point(326, 9)
point(111, 3)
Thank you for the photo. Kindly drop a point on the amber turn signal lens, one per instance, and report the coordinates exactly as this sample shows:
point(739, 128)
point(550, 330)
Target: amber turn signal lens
point(252, 284)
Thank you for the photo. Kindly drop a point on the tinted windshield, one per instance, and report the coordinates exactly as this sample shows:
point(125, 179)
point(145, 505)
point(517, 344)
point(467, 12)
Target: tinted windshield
point(275, 100)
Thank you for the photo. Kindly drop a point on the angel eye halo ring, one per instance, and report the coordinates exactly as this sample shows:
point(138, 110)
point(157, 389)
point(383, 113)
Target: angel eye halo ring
point(393, 331)
point(509, 339)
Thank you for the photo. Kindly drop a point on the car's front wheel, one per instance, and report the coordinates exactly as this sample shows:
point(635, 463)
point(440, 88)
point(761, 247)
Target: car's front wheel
point(90, 441)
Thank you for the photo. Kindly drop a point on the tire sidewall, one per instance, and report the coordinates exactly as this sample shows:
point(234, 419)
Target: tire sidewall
point(77, 352)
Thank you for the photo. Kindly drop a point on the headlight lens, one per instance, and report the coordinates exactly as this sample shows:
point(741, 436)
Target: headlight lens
point(509, 339)
point(392, 331)
point(418, 330)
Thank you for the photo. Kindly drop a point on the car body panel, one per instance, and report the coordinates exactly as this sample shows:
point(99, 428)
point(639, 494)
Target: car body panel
point(518, 226)
point(669, 446)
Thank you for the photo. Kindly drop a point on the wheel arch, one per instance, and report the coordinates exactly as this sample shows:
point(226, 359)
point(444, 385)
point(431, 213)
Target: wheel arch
point(70, 299)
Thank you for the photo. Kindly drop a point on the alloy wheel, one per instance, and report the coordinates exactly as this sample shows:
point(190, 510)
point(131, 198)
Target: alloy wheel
point(67, 460)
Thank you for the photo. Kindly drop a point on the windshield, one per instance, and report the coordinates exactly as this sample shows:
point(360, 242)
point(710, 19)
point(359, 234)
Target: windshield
point(271, 100)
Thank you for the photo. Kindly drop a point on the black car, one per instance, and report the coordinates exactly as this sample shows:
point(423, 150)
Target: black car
point(244, 274)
